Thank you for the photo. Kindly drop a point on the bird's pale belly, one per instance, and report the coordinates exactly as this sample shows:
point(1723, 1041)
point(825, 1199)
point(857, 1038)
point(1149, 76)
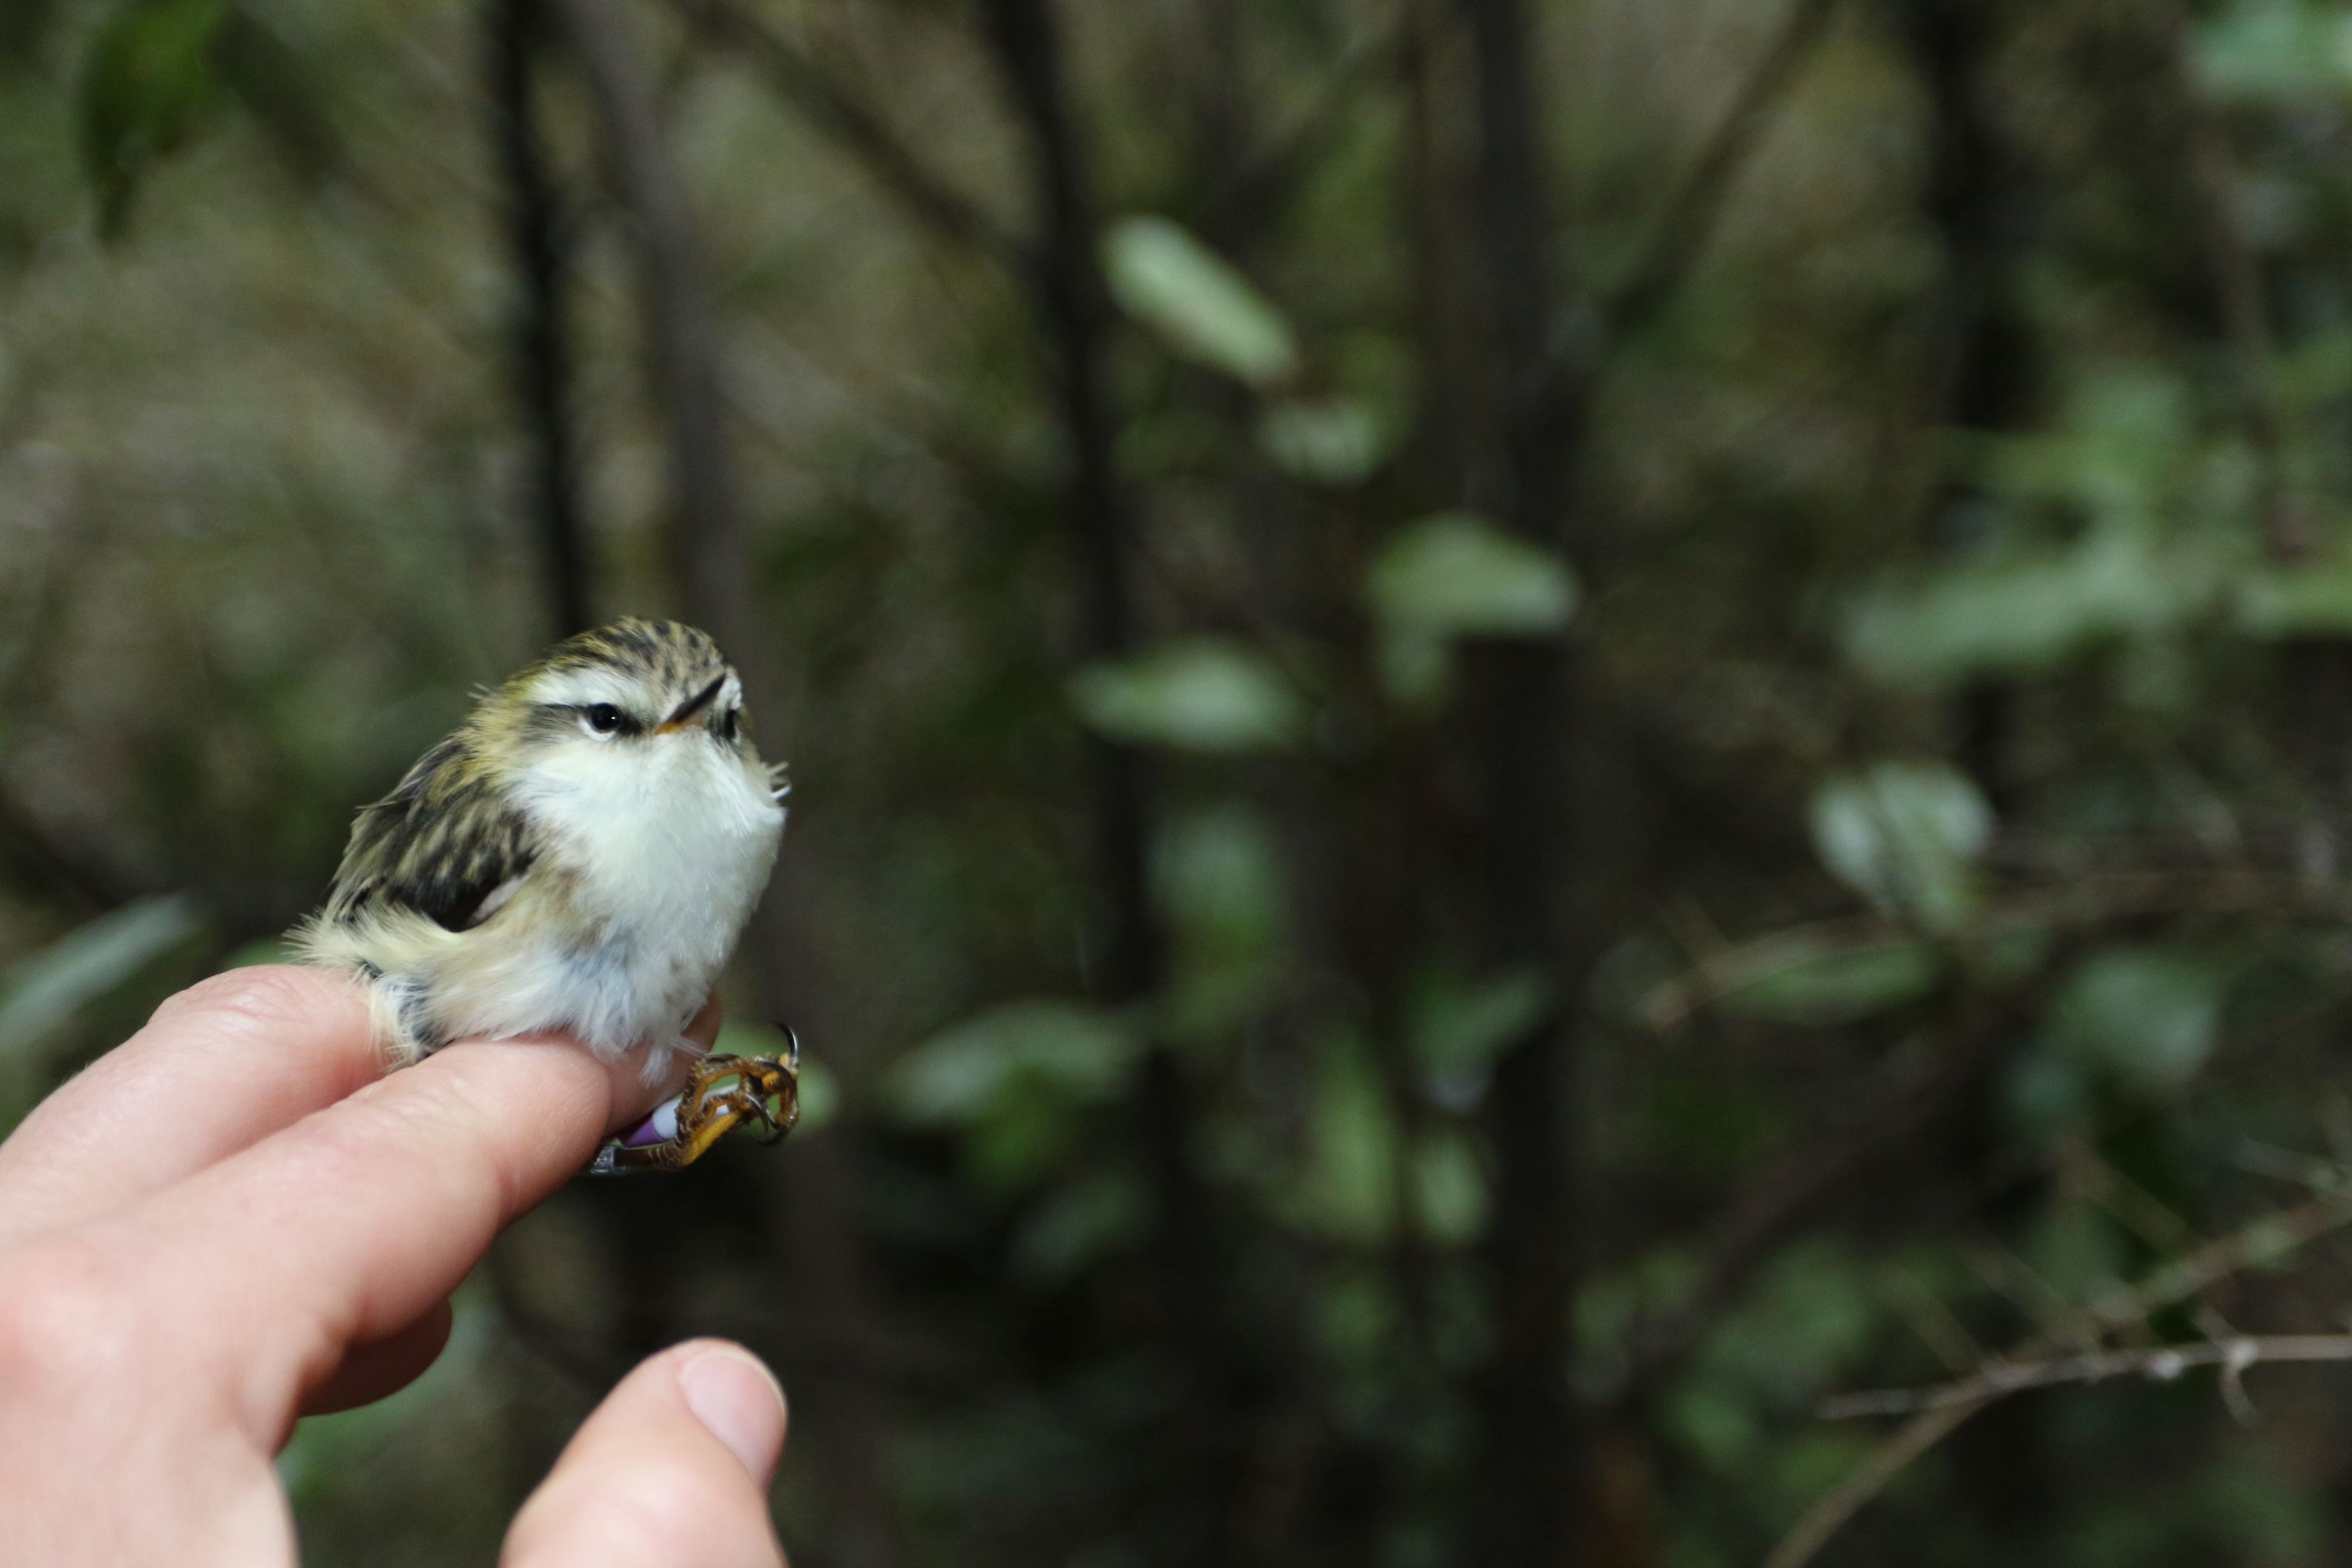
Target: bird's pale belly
point(614, 989)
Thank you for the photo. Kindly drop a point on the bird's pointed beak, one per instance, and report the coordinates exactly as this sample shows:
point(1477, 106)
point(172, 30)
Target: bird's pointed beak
point(689, 709)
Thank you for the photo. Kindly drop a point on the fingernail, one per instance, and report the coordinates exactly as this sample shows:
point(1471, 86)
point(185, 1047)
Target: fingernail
point(733, 1394)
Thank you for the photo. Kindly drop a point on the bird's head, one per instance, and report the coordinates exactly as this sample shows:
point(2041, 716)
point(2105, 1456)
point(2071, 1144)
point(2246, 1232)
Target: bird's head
point(628, 705)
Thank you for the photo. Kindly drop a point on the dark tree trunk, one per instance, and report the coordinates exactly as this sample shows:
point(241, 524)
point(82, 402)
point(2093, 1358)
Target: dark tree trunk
point(714, 566)
point(543, 362)
point(1980, 367)
point(1067, 287)
point(1072, 303)
point(1527, 1510)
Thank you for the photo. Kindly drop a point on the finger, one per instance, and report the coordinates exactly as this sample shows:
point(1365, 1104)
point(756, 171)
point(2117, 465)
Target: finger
point(368, 1372)
point(672, 1469)
point(220, 1066)
point(350, 1224)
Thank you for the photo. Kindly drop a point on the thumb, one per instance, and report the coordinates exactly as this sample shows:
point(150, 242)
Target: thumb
point(671, 1468)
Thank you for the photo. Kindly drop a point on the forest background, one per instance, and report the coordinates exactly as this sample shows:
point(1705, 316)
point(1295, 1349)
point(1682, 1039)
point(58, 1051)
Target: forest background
point(1535, 739)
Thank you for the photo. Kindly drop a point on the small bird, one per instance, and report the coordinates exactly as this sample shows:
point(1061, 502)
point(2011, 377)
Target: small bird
point(580, 855)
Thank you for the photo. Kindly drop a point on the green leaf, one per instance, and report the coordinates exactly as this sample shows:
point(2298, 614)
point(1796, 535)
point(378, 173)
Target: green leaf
point(146, 87)
point(986, 1063)
point(1349, 1185)
point(1903, 835)
point(1207, 694)
point(1457, 1027)
point(1799, 980)
point(2268, 52)
point(1348, 1190)
point(1092, 1219)
point(2149, 1015)
point(1219, 877)
point(1017, 1084)
point(1457, 575)
point(2026, 614)
point(1450, 1189)
point(2300, 601)
point(1322, 440)
point(1196, 303)
point(2045, 1094)
point(43, 993)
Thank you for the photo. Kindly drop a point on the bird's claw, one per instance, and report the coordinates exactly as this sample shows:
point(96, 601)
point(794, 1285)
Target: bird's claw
point(722, 1093)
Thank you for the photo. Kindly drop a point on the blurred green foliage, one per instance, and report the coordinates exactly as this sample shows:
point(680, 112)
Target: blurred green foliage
point(1961, 583)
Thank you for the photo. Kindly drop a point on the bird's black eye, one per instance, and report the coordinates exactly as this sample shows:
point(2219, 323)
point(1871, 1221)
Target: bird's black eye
point(727, 725)
point(604, 718)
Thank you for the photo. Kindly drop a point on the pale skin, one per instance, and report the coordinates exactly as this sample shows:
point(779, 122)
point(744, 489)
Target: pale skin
point(235, 1217)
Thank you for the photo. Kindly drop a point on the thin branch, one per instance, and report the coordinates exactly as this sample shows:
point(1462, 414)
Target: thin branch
point(1690, 218)
point(2162, 1364)
point(1782, 1200)
point(1883, 1465)
point(2090, 901)
point(1260, 176)
point(858, 129)
point(2263, 1243)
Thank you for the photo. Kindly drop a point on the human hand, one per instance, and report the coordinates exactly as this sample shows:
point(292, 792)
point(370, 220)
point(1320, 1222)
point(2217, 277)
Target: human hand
point(234, 1219)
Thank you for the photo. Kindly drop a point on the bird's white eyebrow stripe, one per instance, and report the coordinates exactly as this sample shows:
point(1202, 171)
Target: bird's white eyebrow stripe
point(577, 688)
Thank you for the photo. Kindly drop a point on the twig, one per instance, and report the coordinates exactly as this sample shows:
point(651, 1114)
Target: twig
point(1691, 216)
point(1935, 1325)
point(2286, 1165)
point(857, 127)
point(1784, 1198)
point(2265, 1241)
point(1257, 178)
point(2162, 1364)
point(1884, 1463)
point(2014, 1281)
point(2086, 900)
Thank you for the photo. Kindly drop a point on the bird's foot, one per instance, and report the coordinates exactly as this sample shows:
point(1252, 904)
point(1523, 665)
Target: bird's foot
point(722, 1093)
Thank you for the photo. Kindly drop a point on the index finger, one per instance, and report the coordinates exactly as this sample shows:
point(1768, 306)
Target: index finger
point(349, 1224)
point(221, 1066)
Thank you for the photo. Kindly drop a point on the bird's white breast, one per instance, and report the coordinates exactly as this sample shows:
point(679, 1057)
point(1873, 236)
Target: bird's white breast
point(664, 849)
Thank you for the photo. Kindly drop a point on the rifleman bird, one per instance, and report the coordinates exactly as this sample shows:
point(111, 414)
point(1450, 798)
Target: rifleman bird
point(580, 855)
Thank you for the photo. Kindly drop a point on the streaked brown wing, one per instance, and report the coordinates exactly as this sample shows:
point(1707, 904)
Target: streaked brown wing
point(440, 843)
